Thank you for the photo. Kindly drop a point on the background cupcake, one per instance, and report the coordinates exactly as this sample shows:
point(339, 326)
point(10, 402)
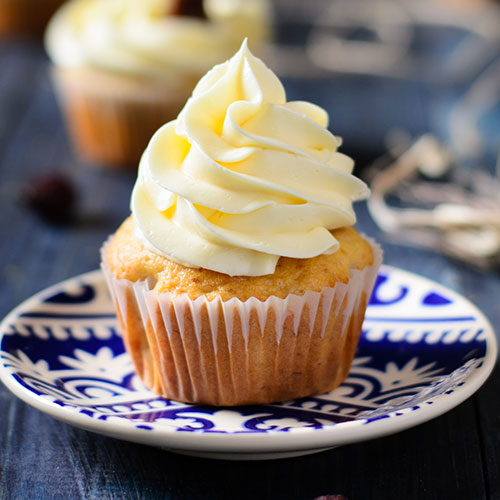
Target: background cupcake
point(123, 68)
point(25, 17)
point(238, 278)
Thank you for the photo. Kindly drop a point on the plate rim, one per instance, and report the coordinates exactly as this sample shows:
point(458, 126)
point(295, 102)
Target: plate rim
point(303, 438)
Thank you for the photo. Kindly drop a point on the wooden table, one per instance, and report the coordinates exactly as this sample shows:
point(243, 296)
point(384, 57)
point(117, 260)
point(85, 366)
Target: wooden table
point(454, 456)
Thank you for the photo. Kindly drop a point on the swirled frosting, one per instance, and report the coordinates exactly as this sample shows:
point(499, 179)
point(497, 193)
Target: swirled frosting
point(139, 37)
point(243, 177)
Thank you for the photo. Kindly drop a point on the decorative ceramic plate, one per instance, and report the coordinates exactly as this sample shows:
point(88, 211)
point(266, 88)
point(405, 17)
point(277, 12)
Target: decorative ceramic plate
point(424, 350)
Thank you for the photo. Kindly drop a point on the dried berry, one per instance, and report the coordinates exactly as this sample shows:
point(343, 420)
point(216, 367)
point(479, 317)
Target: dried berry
point(52, 195)
point(188, 8)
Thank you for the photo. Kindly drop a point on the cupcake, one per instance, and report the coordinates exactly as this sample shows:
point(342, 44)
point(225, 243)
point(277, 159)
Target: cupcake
point(238, 278)
point(123, 68)
point(25, 17)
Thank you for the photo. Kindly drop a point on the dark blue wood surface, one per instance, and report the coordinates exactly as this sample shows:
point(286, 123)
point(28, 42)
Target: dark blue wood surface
point(454, 456)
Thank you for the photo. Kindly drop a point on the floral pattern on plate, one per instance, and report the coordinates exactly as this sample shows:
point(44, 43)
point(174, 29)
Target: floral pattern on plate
point(424, 349)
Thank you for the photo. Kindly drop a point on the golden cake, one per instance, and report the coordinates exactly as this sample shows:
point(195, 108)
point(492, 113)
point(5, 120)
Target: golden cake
point(239, 279)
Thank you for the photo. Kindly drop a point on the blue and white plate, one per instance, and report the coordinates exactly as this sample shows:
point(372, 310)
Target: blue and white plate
point(424, 350)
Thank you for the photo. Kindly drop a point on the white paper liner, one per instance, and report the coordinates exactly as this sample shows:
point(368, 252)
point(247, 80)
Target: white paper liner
point(180, 315)
point(112, 117)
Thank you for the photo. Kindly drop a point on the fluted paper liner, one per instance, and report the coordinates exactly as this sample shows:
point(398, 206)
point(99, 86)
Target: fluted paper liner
point(243, 352)
point(111, 119)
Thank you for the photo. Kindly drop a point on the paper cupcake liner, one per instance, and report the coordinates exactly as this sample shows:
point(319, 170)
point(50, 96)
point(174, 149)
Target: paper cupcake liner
point(112, 119)
point(243, 352)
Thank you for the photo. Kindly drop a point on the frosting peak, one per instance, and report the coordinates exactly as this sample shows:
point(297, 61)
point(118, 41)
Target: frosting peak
point(243, 177)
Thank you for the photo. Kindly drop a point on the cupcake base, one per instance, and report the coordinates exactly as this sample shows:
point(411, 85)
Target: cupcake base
point(111, 118)
point(236, 353)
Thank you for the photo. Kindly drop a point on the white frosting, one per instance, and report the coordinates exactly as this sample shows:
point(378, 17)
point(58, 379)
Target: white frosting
point(137, 37)
point(243, 177)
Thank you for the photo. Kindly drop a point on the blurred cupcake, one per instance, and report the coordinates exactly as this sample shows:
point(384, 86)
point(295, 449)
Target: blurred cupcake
point(239, 279)
point(25, 17)
point(123, 67)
